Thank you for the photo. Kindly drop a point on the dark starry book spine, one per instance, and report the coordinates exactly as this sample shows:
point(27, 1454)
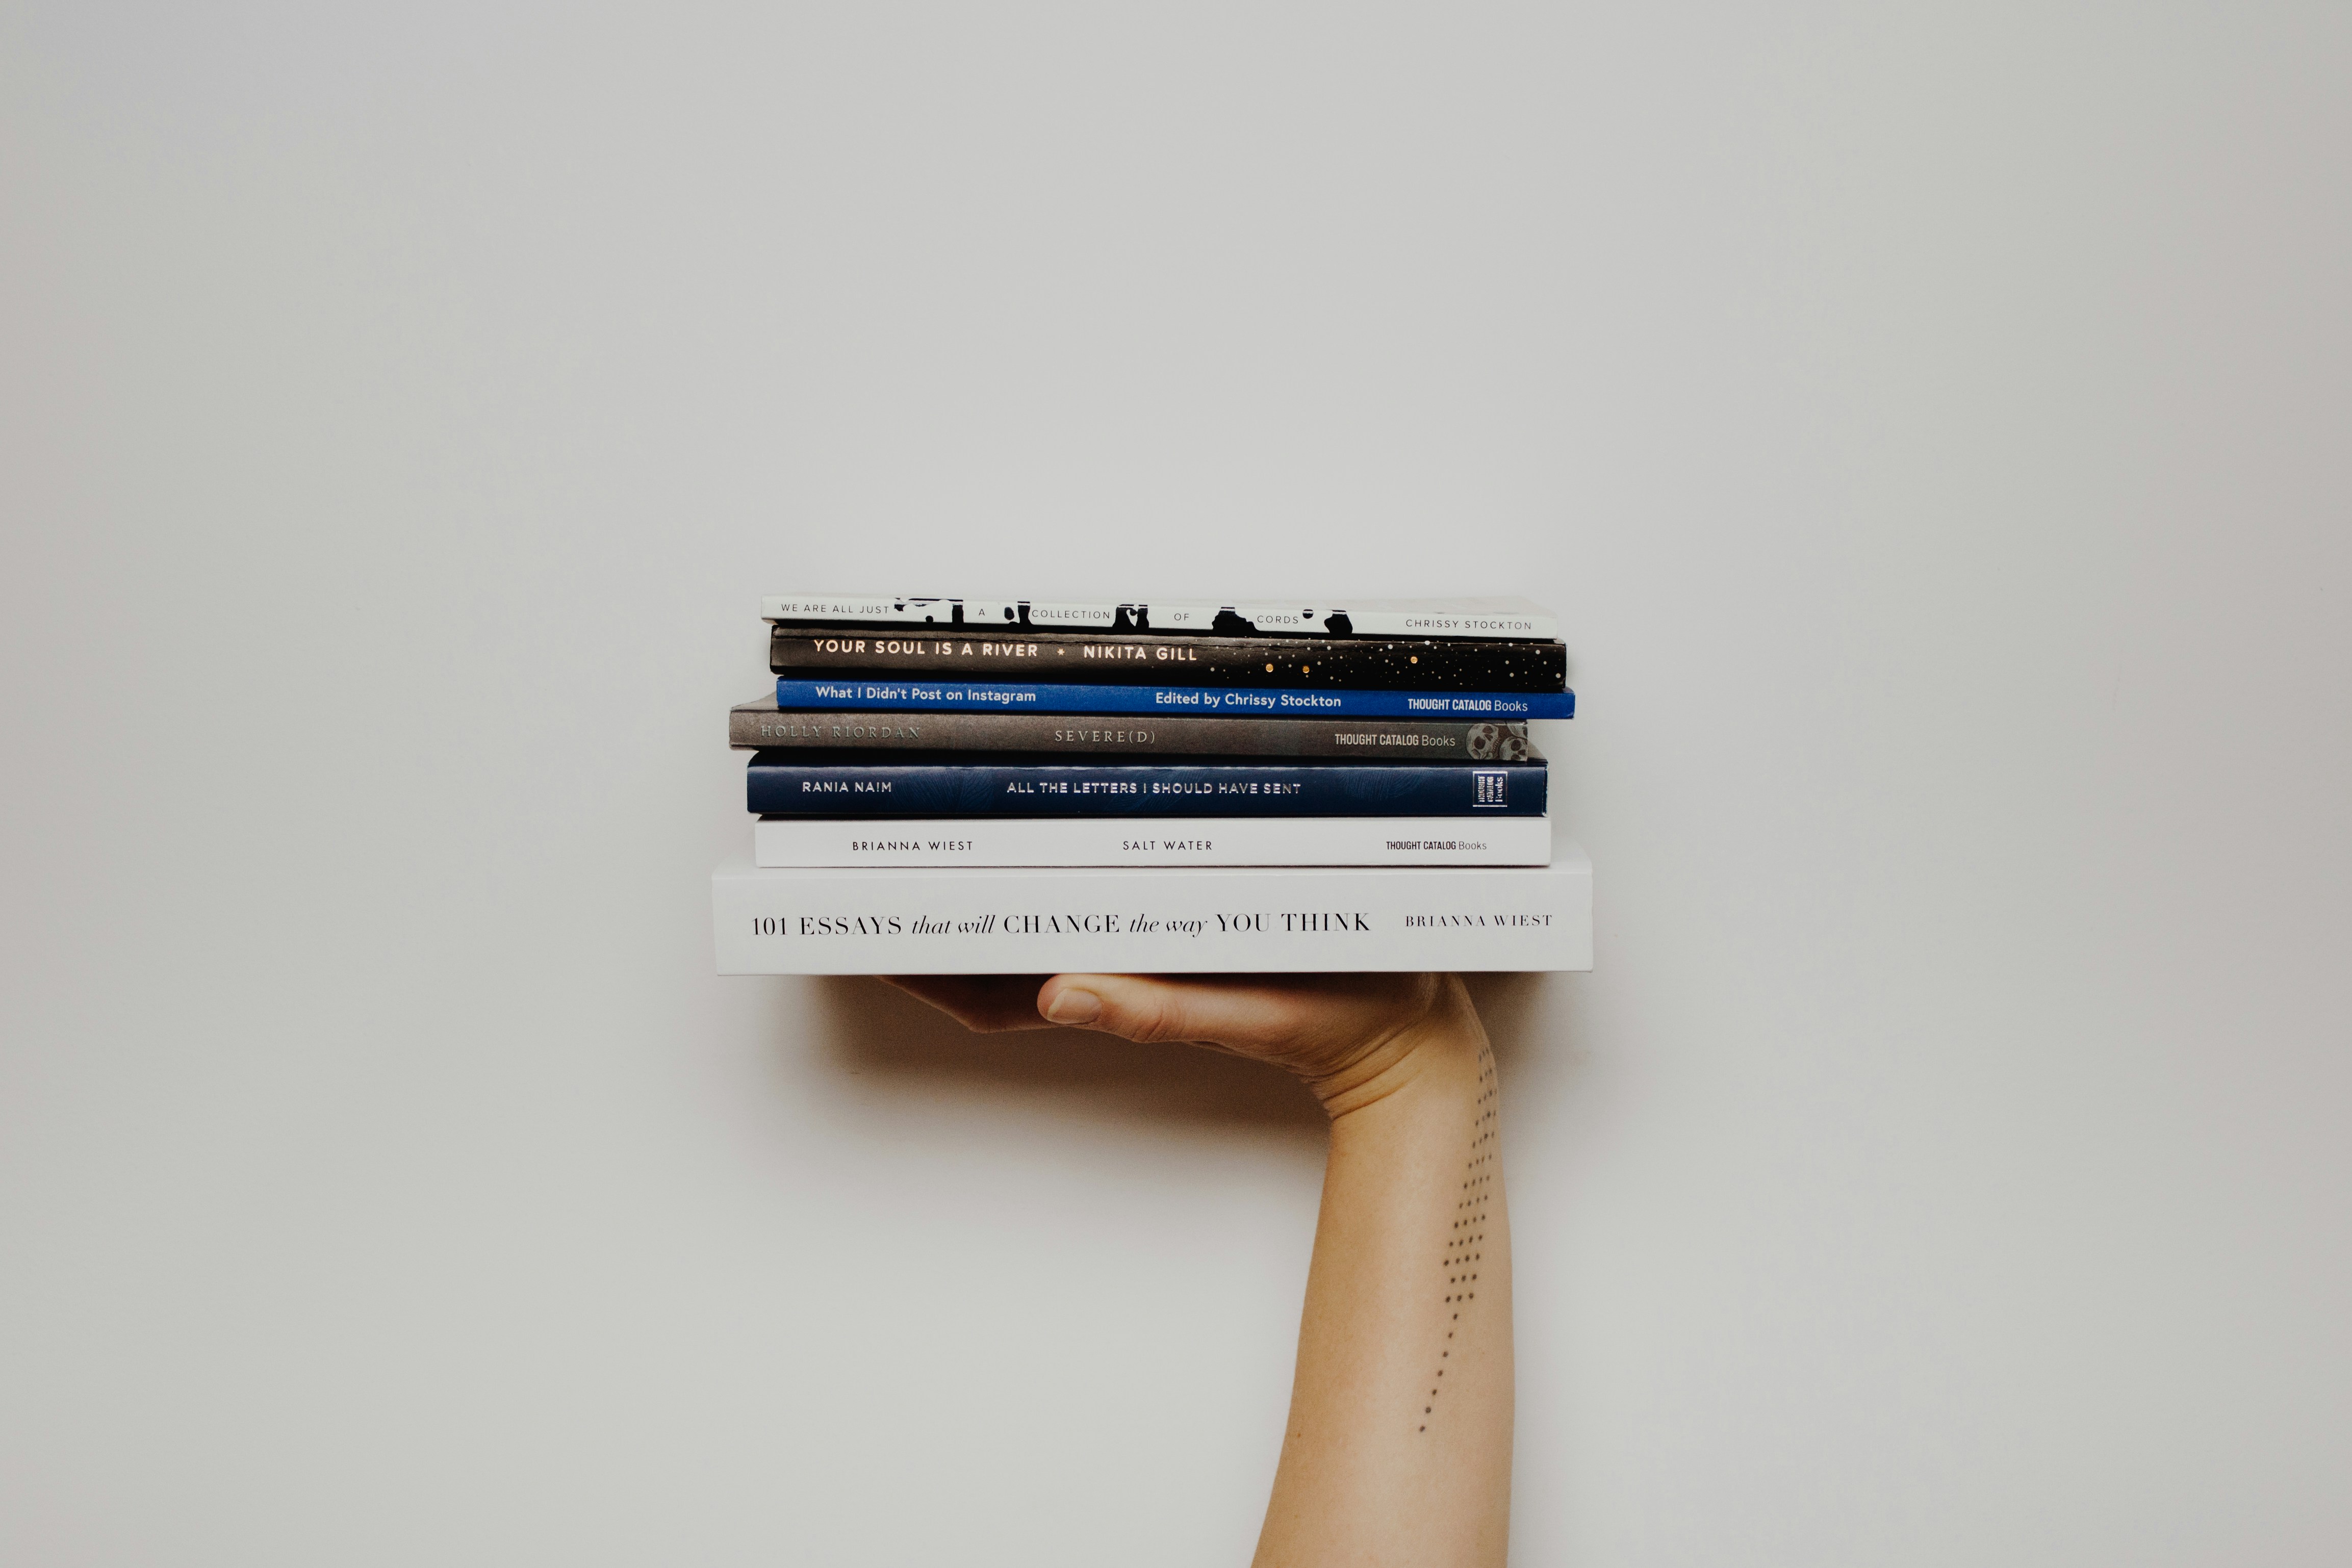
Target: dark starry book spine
point(1076, 659)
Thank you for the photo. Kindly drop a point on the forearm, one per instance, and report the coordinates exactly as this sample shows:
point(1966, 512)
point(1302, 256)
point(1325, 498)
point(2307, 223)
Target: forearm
point(1399, 1443)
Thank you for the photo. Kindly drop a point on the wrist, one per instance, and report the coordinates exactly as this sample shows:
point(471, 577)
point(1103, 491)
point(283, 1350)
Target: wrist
point(1437, 1058)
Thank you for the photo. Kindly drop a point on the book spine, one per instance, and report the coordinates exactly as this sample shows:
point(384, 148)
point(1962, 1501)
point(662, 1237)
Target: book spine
point(761, 725)
point(1178, 921)
point(1417, 664)
point(1057, 698)
point(1505, 618)
point(794, 784)
point(1152, 842)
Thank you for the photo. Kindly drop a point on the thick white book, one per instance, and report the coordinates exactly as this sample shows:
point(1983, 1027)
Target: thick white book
point(1168, 920)
point(1505, 617)
point(1153, 842)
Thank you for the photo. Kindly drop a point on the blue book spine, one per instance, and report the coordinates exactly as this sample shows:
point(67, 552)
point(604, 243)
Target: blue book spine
point(995, 696)
point(788, 784)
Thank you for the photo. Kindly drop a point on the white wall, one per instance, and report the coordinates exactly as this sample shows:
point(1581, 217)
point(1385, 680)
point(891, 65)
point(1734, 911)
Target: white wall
point(1931, 425)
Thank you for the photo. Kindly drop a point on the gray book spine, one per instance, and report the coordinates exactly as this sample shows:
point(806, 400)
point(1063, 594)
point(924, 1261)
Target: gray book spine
point(759, 725)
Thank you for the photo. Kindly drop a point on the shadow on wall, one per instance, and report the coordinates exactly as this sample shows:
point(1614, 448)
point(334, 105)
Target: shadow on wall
point(899, 1047)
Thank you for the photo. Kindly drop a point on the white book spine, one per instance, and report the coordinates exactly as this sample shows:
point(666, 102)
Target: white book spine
point(1155, 842)
point(1167, 921)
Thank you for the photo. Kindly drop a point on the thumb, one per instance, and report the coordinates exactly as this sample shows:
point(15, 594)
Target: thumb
point(1145, 1007)
point(1282, 1016)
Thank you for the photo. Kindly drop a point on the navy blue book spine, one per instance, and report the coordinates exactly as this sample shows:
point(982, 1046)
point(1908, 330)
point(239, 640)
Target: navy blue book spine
point(996, 697)
point(789, 784)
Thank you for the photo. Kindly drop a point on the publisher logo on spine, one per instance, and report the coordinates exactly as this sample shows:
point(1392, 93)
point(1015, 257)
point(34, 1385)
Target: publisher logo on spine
point(1489, 789)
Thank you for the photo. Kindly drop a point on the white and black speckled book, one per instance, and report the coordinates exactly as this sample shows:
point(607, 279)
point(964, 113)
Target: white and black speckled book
point(1505, 618)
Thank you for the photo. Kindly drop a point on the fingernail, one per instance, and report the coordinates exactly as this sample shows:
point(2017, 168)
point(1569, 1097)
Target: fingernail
point(1075, 1006)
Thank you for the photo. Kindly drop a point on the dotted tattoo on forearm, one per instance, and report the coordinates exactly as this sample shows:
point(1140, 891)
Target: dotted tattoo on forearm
point(1466, 1238)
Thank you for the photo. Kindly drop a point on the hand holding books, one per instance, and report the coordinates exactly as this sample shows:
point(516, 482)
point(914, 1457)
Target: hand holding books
point(1351, 1038)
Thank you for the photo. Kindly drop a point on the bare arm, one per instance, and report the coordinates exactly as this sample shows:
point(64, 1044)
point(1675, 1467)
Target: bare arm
point(1398, 1450)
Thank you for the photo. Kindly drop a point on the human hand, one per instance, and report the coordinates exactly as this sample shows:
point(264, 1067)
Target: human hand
point(1352, 1038)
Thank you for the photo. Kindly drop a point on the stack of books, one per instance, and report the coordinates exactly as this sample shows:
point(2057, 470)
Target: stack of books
point(978, 786)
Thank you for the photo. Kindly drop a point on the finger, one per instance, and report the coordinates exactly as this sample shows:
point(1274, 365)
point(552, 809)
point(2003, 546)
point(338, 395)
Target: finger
point(985, 1004)
point(1258, 1016)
